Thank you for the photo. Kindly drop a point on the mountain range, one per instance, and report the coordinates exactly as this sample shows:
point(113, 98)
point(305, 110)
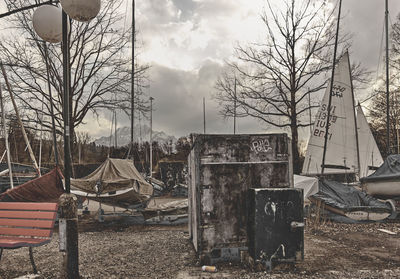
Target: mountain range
point(140, 134)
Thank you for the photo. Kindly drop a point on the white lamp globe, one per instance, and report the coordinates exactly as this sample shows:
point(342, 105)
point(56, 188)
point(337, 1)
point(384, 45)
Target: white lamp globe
point(81, 10)
point(47, 22)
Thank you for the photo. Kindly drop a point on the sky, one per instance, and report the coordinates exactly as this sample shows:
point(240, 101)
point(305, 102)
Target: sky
point(187, 42)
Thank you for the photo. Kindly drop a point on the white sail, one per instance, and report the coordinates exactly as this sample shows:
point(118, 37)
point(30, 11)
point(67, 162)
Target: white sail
point(341, 150)
point(370, 156)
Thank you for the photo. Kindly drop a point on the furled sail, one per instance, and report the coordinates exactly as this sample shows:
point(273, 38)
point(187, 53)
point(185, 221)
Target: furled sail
point(341, 150)
point(370, 156)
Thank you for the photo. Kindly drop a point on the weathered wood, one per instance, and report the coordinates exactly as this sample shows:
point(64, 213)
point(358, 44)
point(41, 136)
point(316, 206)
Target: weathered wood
point(69, 215)
point(29, 206)
point(25, 225)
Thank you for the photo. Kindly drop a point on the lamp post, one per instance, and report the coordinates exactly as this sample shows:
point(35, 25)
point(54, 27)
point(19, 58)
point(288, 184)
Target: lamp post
point(46, 22)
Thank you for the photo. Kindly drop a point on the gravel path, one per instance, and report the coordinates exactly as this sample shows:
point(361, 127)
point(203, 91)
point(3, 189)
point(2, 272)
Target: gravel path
point(332, 251)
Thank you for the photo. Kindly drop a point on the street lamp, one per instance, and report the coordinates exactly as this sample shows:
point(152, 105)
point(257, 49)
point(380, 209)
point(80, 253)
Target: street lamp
point(46, 22)
point(81, 10)
point(42, 17)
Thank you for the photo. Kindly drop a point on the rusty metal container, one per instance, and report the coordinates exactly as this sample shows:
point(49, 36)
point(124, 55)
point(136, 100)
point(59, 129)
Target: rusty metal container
point(275, 226)
point(221, 170)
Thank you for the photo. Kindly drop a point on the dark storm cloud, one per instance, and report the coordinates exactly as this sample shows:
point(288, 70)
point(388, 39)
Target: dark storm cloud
point(178, 104)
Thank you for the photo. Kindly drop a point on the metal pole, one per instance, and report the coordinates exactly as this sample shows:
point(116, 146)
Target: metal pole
point(387, 78)
point(115, 130)
point(66, 88)
point(53, 123)
point(151, 137)
point(330, 89)
point(28, 145)
point(133, 77)
point(309, 111)
point(204, 115)
point(234, 110)
point(68, 225)
point(3, 115)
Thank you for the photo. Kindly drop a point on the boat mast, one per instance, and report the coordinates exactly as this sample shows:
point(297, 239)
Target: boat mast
point(204, 115)
point(32, 156)
point(133, 77)
point(387, 78)
point(53, 123)
point(330, 90)
point(234, 110)
point(355, 121)
point(3, 113)
point(151, 137)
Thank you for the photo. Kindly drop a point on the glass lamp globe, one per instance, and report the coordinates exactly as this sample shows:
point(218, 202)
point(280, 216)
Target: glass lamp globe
point(47, 23)
point(81, 10)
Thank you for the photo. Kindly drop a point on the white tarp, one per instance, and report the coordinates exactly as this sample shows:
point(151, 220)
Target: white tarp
point(308, 184)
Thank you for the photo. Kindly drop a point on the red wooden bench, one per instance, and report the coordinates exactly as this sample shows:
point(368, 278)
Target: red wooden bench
point(26, 224)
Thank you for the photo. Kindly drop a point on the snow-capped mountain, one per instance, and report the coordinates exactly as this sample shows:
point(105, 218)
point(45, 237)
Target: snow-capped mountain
point(140, 134)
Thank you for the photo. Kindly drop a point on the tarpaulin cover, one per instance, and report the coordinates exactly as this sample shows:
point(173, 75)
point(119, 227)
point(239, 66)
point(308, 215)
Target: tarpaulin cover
point(390, 169)
point(111, 176)
point(346, 198)
point(47, 188)
point(308, 184)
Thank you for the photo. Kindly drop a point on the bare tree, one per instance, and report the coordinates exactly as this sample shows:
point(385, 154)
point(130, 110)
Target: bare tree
point(274, 78)
point(100, 67)
point(377, 109)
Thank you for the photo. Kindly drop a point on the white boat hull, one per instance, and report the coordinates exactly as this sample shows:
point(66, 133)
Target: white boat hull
point(367, 216)
point(387, 188)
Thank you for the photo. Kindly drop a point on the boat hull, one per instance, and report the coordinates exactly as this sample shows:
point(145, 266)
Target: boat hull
point(127, 198)
point(386, 188)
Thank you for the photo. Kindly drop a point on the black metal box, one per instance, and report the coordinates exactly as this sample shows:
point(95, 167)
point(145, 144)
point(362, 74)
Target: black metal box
point(275, 225)
point(221, 170)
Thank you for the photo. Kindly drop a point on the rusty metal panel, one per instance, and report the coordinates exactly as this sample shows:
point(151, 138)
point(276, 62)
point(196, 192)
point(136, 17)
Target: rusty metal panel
point(222, 169)
point(275, 225)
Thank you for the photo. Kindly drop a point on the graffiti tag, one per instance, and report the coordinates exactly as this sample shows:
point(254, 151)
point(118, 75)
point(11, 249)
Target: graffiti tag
point(260, 146)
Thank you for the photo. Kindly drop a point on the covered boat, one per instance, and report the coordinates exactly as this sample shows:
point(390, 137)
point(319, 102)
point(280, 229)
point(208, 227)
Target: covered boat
point(349, 202)
point(385, 181)
point(115, 182)
point(46, 188)
point(308, 184)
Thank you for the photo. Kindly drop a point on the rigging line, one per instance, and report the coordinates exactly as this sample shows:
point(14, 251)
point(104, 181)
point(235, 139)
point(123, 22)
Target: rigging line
point(379, 63)
point(111, 129)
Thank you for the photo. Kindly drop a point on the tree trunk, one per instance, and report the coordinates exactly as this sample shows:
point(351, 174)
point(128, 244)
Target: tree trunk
point(295, 150)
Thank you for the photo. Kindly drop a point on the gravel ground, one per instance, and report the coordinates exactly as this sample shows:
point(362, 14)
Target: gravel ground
point(331, 251)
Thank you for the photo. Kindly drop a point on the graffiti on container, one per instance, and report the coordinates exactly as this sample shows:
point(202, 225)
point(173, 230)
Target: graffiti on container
point(270, 209)
point(261, 146)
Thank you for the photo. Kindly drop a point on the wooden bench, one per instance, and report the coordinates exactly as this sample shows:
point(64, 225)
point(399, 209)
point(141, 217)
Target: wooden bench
point(26, 224)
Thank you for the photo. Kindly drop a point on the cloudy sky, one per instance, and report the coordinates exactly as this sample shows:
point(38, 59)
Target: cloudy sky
point(187, 42)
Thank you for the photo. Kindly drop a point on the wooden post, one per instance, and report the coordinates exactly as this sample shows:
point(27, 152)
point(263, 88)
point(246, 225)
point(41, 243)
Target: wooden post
point(68, 233)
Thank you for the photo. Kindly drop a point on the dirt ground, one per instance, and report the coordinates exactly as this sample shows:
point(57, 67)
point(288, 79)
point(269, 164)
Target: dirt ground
point(331, 251)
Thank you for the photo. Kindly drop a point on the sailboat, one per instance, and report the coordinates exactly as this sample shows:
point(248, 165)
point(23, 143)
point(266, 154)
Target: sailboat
point(370, 156)
point(351, 152)
point(342, 154)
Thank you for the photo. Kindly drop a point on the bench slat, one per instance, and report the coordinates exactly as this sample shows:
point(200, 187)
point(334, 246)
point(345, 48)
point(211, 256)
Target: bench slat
point(46, 224)
point(15, 242)
point(29, 206)
point(28, 214)
point(25, 232)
